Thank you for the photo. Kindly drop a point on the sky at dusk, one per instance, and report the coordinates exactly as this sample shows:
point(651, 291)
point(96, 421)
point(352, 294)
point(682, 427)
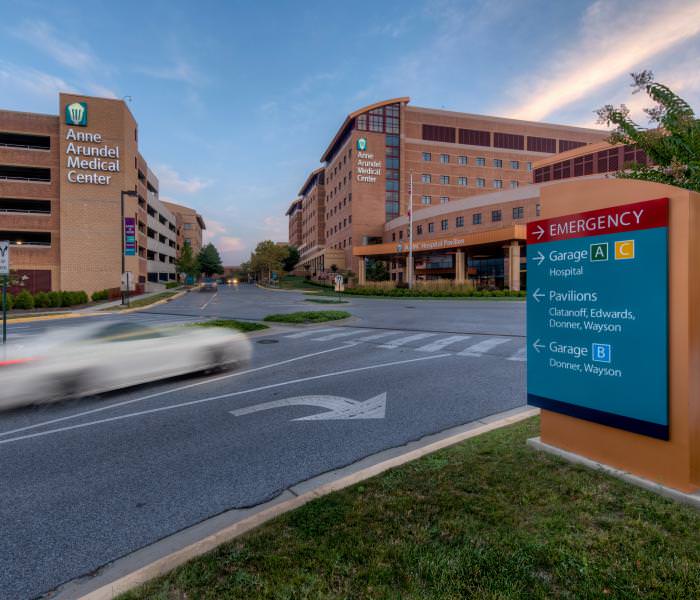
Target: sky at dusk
point(236, 101)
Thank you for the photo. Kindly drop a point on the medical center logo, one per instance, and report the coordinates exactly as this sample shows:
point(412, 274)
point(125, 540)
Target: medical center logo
point(362, 144)
point(76, 114)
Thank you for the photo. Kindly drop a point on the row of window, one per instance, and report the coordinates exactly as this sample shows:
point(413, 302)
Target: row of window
point(334, 209)
point(336, 228)
point(479, 161)
point(480, 182)
point(343, 244)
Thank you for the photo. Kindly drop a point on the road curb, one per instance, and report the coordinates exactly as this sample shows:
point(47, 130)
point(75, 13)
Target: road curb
point(143, 565)
point(148, 306)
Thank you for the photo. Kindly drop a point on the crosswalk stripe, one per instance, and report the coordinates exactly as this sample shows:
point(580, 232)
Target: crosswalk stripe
point(378, 336)
point(333, 336)
point(519, 355)
point(482, 347)
point(310, 332)
point(440, 344)
point(406, 340)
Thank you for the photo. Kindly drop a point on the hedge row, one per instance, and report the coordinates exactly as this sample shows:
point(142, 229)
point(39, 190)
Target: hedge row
point(26, 301)
point(432, 293)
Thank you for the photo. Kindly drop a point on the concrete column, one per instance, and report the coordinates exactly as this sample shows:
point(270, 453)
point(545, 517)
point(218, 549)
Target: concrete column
point(459, 267)
point(361, 271)
point(410, 271)
point(514, 265)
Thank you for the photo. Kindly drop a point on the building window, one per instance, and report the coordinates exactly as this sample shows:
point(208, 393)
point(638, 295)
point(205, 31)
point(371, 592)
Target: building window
point(529, 167)
point(515, 164)
point(427, 157)
point(426, 200)
point(426, 178)
point(444, 199)
point(443, 225)
point(476, 219)
point(459, 222)
point(538, 210)
point(462, 160)
point(498, 163)
point(419, 229)
point(480, 161)
point(186, 226)
point(431, 227)
point(444, 179)
point(498, 183)
point(480, 182)
point(444, 159)
point(518, 212)
point(513, 184)
point(496, 215)
point(401, 234)
point(462, 181)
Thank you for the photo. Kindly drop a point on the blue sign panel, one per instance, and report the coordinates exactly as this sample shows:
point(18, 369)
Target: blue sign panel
point(597, 316)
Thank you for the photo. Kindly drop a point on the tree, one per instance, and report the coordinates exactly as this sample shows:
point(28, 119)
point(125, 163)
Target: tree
point(292, 259)
point(673, 144)
point(186, 263)
point(376, 270)
point(209, 261)
point(268, 257)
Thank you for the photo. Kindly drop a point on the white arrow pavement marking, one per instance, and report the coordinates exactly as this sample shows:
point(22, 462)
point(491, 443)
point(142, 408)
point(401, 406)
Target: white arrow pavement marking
point(539, 258)
point(539, 232)
point(221, 397)
point(537, 346)
point(337, 407)
point(482, 347)
point(537, 295)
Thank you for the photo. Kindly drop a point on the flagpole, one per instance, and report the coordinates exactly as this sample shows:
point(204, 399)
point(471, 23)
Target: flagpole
point(410, 232)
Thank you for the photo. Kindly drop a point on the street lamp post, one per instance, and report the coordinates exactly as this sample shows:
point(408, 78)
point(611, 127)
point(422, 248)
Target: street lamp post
point(125, 296)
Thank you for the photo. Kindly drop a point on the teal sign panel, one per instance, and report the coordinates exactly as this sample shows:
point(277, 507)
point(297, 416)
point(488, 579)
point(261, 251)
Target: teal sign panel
point(597, 326)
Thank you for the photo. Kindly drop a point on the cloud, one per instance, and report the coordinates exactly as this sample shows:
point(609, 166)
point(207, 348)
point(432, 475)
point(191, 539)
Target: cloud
point(173, 183)
point(614, 38)
point(276, 227)
point(180, 70)
point(228, 243)
point(24, 81)
point(42, 36)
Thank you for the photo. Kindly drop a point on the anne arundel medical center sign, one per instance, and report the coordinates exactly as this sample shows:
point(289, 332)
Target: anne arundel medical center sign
point(89, 160)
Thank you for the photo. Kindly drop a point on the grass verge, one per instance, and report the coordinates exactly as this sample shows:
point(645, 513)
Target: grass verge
point(489, 518)
point(244, 326)
point(144, 301)
point(319, 316)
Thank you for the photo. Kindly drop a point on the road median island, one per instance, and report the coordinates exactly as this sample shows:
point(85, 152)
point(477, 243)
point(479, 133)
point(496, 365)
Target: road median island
point(143, 302)
point(243, 326)
point(306, 317)
point(488, 517)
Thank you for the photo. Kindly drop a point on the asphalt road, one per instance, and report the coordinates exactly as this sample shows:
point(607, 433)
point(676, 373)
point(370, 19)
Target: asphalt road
point(85, 482)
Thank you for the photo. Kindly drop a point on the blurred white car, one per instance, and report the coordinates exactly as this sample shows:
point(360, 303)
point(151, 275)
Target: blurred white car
point(79, 361)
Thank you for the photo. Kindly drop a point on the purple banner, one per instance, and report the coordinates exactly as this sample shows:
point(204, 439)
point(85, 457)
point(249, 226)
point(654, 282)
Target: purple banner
point(129, 236)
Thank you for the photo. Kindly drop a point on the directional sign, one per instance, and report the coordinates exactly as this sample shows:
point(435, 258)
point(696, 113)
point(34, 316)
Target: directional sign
point(597, 316)
point(337, 407)
point(5, 257)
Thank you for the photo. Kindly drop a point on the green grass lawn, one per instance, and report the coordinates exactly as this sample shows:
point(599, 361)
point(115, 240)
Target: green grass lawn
point(245, 326)
point(144, 301)
point(319, 316)
point(489, 518)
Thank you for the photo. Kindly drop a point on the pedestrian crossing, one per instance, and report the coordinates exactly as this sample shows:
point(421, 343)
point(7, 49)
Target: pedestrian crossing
point(511, 348)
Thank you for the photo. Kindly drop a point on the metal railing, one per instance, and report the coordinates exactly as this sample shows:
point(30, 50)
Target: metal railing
point(29, 179)
point(25, 210)
point(24, 146)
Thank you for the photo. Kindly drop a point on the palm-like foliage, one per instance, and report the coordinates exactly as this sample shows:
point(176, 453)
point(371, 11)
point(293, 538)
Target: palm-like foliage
point(672, 144)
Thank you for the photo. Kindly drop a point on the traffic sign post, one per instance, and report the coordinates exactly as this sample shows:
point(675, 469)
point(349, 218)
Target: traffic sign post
point(596, 316)
point(4, 274)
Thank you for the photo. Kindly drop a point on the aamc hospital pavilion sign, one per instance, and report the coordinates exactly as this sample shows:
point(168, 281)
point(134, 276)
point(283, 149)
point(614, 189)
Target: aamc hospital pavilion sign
point(88, 157)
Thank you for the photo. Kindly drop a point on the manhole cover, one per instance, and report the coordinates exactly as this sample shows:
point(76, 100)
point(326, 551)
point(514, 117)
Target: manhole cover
point(268, 341)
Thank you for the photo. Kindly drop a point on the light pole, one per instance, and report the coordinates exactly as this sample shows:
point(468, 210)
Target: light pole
point(132, 193)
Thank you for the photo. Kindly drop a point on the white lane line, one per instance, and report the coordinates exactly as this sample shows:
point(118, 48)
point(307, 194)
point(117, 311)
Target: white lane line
point(378, 336)
point(406, 340)
point(208, 302)
point(310, 332)
point(483, 347)
point(440, 344)
point(177, 389)
point(332, 336)
point(520, 355)
point(220, 397)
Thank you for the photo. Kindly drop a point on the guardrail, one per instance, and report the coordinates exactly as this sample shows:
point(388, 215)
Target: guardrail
point(22, 210)
point(29, 179)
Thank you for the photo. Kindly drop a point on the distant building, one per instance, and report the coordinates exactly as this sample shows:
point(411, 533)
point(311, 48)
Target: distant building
point(190, 225)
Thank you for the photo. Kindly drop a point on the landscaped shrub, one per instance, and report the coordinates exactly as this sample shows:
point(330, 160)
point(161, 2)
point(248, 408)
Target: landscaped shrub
point(171, 284)
point(24, 301)
point(100, 295)
point(73, 298)
point(54, 299)
point(41, 300)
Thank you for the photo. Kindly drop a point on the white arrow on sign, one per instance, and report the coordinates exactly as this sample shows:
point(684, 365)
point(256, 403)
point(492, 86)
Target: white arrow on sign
point(337, 407)
point(539, 232)
point(537, 295)
point(537, 346)
point(539, 258)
